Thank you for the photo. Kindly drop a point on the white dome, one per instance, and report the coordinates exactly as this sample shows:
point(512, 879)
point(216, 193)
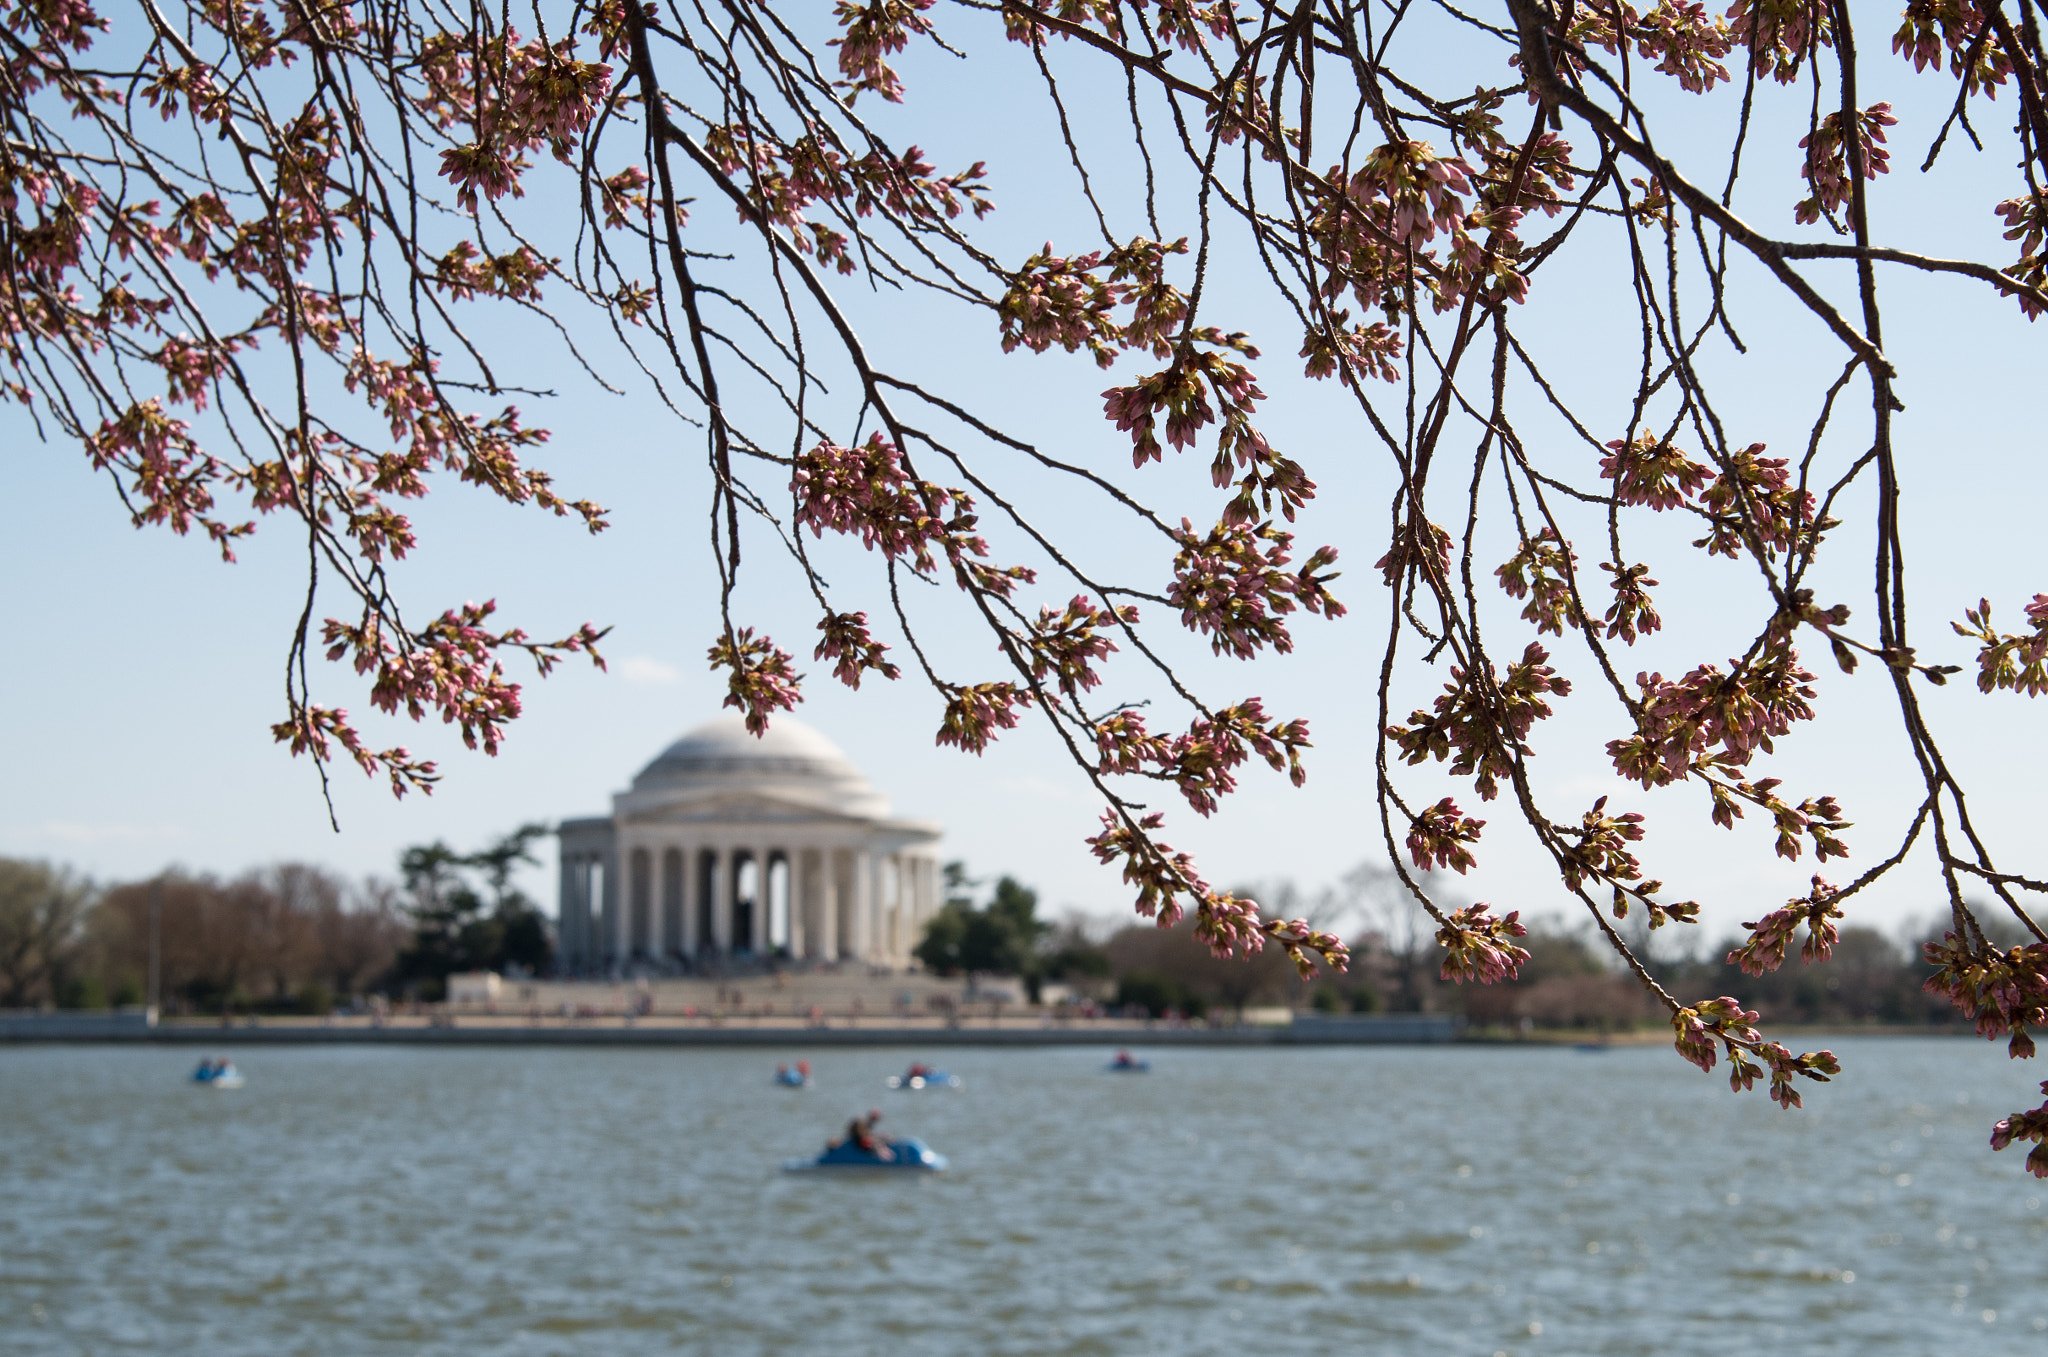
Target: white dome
point(790, 762)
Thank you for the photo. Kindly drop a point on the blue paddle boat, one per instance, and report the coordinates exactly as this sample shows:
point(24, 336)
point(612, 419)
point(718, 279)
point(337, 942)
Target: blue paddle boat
point(922, 1076)
point(217, 1074)
point(1126, 1063)
point(909, 1155)
point(793, 1078)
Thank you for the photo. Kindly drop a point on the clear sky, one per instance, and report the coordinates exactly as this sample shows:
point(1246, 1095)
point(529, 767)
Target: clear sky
point(142, 674)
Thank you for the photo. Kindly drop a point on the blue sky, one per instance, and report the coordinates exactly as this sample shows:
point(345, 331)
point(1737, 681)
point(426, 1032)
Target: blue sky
point(144, 674)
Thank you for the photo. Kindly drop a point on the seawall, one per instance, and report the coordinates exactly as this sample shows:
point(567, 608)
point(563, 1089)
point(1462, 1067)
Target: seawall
point(1392, 1029)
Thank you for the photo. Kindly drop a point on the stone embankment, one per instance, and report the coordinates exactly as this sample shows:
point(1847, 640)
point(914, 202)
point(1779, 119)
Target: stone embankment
point(657, 1029)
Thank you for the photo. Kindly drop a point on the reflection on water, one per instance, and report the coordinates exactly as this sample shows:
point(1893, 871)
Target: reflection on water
point(1404, 1201)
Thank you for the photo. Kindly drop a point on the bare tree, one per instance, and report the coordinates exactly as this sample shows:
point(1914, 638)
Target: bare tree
point(42, 910)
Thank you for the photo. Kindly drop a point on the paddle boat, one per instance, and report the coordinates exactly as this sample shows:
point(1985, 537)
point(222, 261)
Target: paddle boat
point(921, 1075)
point(909, 1155)
point(217, 1074)
point(793, 1078)
point(1126, 1063)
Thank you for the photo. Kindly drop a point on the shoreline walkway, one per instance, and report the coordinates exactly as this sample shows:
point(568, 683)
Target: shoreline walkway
point(522, 1030)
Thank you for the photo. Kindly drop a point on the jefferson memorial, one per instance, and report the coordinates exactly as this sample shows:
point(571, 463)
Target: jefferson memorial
point(728, 847)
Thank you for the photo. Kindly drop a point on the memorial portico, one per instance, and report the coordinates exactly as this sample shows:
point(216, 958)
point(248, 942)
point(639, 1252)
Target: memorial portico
point(727, 847)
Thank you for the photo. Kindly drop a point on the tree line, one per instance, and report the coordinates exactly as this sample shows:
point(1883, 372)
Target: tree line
point(288, 938)
point(1569, 980)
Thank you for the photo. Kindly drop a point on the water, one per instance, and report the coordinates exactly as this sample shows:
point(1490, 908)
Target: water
point(1401, 1201)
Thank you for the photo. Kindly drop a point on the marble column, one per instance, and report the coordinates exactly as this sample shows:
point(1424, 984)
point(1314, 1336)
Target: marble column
point(793, 864)
point(721, 908)
point(669, 940)
point(863, 904)
point(686, 890)
point(828, 904)
point(609, 922)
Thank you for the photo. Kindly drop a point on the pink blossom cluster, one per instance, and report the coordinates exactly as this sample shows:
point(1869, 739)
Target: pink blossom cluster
point(872, 31)
point(450, 665)
point(1477, 947)
point(1412, 189)
point(761, 680)
point(1164, 876)
point(1819, 1066)
point(1817, 817)
point(1233, 586)
point(866, 492)
point(1070, 301)
point(1066, 645)
point(1686, 41)
point(1680, 35)
point(2025, 1126)
point(1699, 1026)
point(2004, 660)
point(1167, 884)
point(1352, 353)
point(1756, 496)
point(1736, 715)
point(1927, 27)
point(1185, 22)
point(514, 97)
point(1055, 300)
point(1419, 546)
point(1437, 838)
point(68, 22)
point(1182, 392)
point(1653, 471)
point(1019, 26)
point(314, 730)
point(1833, 157)
point(1240, 112)
point(171, 475)
point(1632, 612)
point(846, 640)
point(1771, 935)
point(624, 195)
point(2004, 991)
point(1307, 947)
point(1203, 761)
point(976, 711)
point(1536, 173)
point(1540, 571)
point(1374, 228)
point(785, 180)
point(1599, 850)
point(465, 271)
point(1781, 34)
point(2026, 219)
point(1483, 728)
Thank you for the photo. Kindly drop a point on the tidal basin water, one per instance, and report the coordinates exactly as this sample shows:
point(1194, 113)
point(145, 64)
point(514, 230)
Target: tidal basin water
point(1399, 1201)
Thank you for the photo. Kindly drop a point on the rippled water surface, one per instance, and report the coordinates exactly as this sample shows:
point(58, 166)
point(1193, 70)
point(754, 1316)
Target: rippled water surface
point(1469, 1200)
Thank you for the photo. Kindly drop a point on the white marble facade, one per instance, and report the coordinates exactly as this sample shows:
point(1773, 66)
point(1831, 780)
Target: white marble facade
point(728, 847)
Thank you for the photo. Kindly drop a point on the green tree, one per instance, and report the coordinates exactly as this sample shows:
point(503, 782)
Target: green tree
point(523, 929)
point(999, 940)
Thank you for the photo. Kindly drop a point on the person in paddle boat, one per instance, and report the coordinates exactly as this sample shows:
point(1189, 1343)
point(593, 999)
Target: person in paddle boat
point(860, 1133)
